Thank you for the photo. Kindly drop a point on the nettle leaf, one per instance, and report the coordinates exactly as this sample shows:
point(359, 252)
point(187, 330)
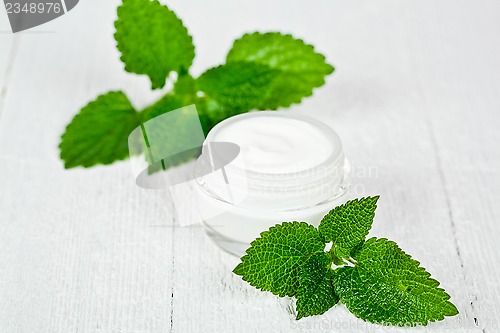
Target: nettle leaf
point(301, 69)
point(348, 225)
point(316, 293)
point(387, 286)
point(152, 40)
point(239, 86)
point(273, 261)
point(99, 133)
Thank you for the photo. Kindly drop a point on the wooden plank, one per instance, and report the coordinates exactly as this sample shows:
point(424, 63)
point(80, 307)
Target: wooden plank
point(6, 55)
point(461, 106)
point(375, 104)
point(8, 52)
point(81, 249)
point(85, 250)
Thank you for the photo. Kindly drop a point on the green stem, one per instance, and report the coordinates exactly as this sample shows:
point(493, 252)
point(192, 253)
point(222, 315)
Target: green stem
point(336, 260)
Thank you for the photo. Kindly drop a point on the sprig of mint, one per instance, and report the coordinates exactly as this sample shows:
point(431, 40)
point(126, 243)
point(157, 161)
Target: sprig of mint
point(374, 278)
point(263, 71)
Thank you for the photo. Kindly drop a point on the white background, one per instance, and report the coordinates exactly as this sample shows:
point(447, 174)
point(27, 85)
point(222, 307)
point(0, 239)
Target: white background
point(415, 98)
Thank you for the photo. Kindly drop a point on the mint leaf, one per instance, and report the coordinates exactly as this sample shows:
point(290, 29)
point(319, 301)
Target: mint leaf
point(387, 286)
point(168, 135)
point(183, 94)
point(301, 69)
point(185, 86)
point(152, 40)
point(174, 134)
point(384, 285)
point(99, 133)
point(240, 86)
point(273, 261)
point(213, 111)
point(347, 225)
point(316, 294)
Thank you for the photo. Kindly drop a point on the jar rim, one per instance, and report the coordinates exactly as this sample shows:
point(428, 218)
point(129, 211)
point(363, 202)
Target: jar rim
point(336, 153)
point(342, 190)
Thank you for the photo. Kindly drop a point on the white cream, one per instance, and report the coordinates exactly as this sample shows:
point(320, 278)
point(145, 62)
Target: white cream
point(276, 145)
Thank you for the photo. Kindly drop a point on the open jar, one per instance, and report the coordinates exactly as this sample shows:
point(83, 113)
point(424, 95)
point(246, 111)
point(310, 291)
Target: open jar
point(289, 168)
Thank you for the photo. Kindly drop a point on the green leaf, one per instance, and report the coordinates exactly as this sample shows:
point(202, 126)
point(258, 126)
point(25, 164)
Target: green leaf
point(316, 294)
point(183, 94)
point(273, 261)
point(175, 136)
point(347, 225)
point(387, 286)
point(301, 69)
point(99, 133)
point(213, 111)
point(186, 86)
point(152, 40)
point(239, 86)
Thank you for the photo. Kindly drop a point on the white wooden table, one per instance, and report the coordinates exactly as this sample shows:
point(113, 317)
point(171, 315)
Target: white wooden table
point(415, 98)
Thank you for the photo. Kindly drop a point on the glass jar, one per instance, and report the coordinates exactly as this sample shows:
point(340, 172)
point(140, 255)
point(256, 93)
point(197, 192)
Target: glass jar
point(291, 168)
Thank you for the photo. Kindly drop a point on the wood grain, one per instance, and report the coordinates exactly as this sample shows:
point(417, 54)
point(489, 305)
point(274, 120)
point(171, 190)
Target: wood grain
point(414, 98)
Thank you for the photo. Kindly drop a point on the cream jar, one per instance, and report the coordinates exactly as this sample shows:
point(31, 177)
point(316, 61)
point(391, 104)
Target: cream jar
point(289, 168)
